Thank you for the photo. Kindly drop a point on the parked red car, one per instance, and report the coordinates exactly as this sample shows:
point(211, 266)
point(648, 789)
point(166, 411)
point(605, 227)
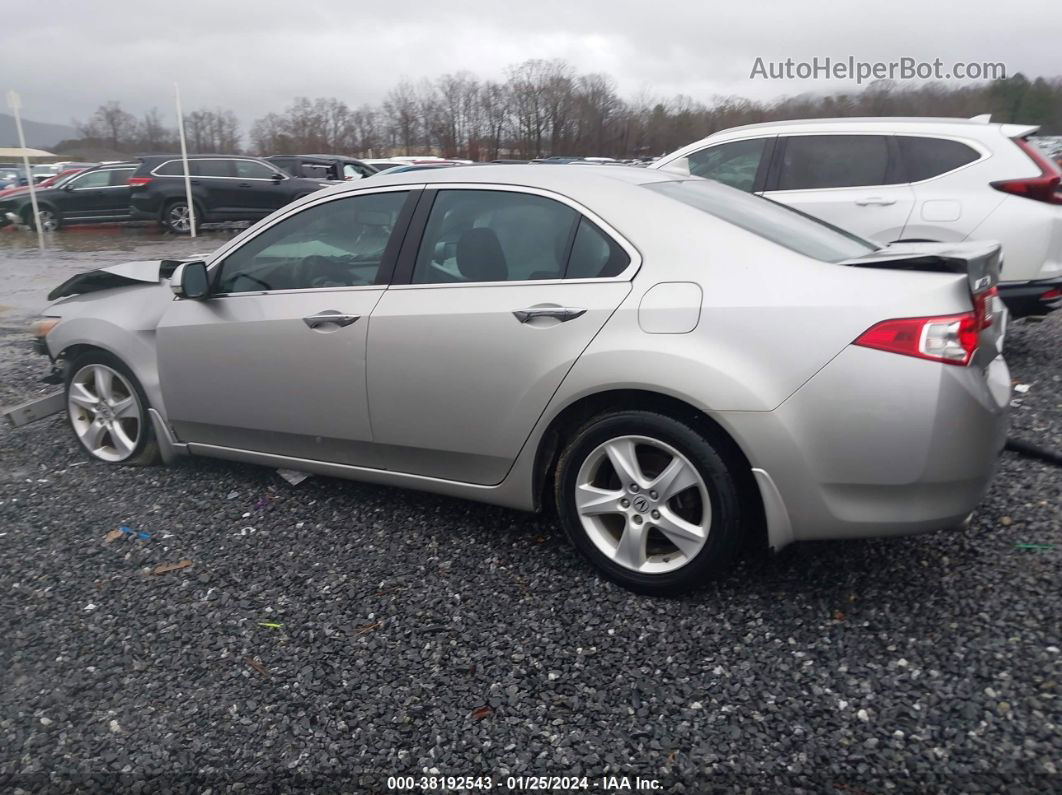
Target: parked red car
point(44, 183)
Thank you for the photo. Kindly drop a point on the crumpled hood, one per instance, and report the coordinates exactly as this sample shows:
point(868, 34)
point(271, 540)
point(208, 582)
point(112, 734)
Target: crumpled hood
point(122, 275)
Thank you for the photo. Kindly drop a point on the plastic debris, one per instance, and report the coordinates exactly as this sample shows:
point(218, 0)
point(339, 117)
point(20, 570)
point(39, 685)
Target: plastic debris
point(140, 534)
point(89, 607)
point(479, 713)
point(269, 625)
point(164, 568)
point(233, 495)
point(1021, 389)
point(114, 535)
point(293, 476)
point(1039, 547)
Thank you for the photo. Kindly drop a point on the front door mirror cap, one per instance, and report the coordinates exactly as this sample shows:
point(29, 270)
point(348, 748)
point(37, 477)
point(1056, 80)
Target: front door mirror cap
point(191, 281)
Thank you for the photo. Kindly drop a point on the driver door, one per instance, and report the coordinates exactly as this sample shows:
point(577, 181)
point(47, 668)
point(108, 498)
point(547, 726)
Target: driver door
point(274, 360)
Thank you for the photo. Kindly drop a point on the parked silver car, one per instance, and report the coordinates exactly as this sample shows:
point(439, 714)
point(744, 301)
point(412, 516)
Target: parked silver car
point(673, 364)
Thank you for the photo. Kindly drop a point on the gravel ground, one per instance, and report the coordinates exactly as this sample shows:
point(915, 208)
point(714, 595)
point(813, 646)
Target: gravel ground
point(328, 635)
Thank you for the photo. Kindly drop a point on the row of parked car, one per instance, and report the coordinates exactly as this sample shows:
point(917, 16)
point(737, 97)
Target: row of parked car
point(886, 179)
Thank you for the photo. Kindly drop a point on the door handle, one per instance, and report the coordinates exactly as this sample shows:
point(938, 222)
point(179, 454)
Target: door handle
point(880, 200)
point(244, 185)
point(329, 317)
point(561, 313)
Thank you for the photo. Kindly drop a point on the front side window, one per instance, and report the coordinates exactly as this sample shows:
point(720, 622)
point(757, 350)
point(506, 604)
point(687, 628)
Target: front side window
point(930, 157)
point(249, 169)
point(783, 225)
point(340, 243)
point(834, 161)
point(734, 164)
point(494, 236)
point(94, 179)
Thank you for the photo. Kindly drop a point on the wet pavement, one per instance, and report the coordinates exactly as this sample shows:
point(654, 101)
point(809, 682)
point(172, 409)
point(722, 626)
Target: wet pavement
point(29, 273)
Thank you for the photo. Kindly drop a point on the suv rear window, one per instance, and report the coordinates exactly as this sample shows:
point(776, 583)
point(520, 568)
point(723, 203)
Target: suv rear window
point(930, 157)
point(811, 162)
point(780, 224)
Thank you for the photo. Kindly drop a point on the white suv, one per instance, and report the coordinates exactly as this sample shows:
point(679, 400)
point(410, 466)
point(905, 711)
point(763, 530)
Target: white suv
point(906, 179)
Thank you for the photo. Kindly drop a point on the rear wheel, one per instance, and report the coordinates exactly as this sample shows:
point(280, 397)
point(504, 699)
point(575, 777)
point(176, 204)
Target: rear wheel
point(48, 218)
point(108, 411)
point(177, 218)
point(649, 501)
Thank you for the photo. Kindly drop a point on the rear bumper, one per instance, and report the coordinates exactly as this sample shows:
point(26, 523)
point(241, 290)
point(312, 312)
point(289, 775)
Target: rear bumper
point(878, 444)
point(1027, 298)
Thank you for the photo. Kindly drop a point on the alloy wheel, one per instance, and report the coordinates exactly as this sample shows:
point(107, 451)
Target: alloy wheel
point(47, 220)
point(643, 504)
point(105, 412)
point(178, 218)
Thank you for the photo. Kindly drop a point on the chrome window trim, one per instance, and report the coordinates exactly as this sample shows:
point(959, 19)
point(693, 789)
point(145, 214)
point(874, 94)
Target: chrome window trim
point(207, 176)
point(626, 275)
point(219, 256)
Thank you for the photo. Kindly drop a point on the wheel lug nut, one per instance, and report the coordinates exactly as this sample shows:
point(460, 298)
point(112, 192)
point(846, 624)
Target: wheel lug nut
point(625, 503)
point(634, 488)
point(656, 514)
point(637, 519)
point(653, 494)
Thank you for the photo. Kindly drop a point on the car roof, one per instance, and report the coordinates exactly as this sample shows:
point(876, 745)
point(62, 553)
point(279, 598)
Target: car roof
point(558, 178)
point(908, 124)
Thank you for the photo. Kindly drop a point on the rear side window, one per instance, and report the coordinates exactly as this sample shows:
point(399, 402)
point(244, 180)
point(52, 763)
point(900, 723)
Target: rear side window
point(174, 168)
point(810, 162)
point(930, 157)
point(595, 255)
point(775, 222)
point(93, 179)
point(734, 164)
point(120, 177)
point(212, 168)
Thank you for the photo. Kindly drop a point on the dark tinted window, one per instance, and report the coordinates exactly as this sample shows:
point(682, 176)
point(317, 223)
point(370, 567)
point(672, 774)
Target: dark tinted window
point(494, 236)
point(212, 168)
point(250, 169)
point(339, 243)
point(174, 168)
point(595, 254)
point(928, 157)
point(833, 161)
point(768, 219)
point(733, 164)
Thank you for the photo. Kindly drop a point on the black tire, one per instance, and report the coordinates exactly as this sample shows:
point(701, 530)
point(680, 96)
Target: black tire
point(44, 210)
point(146, 450)
point(174, 211)
point(725, 527)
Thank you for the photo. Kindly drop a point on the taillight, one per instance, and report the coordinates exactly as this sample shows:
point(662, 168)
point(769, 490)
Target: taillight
point(138, 182)
point(985, 307)
point(1043, 188)
point(951, 339)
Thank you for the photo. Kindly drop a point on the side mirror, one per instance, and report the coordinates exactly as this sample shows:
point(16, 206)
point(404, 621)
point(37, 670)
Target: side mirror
point(191, 281)
point(68, 186)
point(276, 178)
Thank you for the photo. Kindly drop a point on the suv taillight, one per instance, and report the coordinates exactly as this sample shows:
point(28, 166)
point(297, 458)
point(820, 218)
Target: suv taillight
point(138, 182)
point(1043, 188)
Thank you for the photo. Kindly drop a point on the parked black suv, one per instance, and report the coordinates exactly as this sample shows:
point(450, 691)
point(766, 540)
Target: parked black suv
point(96, 195)
point(332, 167)
point(224, 188)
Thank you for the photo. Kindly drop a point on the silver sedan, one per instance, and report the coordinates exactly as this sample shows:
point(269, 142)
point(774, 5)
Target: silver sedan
point(673, 366)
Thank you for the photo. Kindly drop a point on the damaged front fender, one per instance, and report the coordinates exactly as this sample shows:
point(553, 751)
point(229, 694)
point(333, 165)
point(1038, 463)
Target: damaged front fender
point(123, 275)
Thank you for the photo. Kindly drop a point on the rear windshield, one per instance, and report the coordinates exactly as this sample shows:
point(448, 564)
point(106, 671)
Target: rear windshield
point(783, 225)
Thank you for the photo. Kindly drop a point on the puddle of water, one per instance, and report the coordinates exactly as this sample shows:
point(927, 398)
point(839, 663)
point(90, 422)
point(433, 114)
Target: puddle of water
point(29, 273)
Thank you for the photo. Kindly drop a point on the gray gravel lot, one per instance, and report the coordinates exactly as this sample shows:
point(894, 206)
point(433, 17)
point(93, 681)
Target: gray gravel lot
point(328, 635)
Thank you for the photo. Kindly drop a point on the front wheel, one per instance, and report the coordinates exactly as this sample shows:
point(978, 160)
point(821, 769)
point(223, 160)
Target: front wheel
point(108, 411)
point(649, 501)
point(48, 218)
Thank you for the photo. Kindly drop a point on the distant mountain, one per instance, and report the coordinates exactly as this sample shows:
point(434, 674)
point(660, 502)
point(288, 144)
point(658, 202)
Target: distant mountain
point(39, 135)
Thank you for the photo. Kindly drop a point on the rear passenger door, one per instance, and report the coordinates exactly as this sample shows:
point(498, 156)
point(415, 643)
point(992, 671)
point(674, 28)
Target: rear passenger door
point(215, 178)
point(852, 181)
point(498, 291)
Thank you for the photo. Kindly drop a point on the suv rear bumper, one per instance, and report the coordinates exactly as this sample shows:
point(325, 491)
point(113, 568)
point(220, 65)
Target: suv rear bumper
point(1028, 298)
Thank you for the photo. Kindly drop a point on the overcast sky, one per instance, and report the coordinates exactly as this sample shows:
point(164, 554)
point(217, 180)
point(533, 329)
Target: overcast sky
point(68, 56)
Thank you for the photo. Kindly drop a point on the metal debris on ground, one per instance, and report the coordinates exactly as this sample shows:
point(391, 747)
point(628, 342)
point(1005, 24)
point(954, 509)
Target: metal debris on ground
point(293, 476)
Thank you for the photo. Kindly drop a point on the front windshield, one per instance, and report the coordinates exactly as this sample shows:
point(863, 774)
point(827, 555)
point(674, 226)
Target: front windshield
point(783, 225)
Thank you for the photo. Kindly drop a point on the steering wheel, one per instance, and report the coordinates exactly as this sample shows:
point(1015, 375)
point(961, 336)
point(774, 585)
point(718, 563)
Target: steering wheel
point(318, 271)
